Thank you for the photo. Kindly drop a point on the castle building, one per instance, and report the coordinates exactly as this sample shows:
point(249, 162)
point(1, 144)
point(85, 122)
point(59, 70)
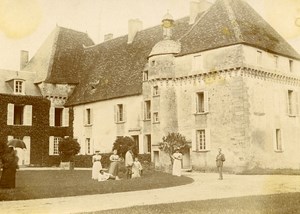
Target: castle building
point(222, 77)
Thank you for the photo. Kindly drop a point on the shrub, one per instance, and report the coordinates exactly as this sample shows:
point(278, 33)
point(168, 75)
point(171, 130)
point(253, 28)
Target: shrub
point(68, 148)
point(172, 142)
point(122, 144)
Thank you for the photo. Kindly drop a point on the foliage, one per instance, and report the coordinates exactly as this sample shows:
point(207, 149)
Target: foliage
point(40, 130)
point(172, 142)
point(68, 148)
point(122, 145)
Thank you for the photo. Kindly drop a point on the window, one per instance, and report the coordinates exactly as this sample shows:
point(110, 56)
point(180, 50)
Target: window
point(201, 101)
point(197, 63)
point(201, 140)
point(18, 87)
point(291, 65)
point(292, 103)
point(136, 142)
point(53, 145)
point(155, 90)
point(148, 142)
point(88, 146)
point(88, 116)
point(19, 114)
point(259, 58)
point(120, 113)
point(152, 63)
point(59, 117)
point(155, 117)
point(145, 75)
point(147, 110)
point(278, 140)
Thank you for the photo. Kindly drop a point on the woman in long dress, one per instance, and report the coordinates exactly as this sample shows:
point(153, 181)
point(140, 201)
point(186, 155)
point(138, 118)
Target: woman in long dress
point(10, 166)
point(136, 168)
point(96, 165)
point(177, 157)
point(114, 164)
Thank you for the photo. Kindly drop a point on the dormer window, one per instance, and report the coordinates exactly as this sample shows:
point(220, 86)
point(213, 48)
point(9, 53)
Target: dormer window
point(19, 87)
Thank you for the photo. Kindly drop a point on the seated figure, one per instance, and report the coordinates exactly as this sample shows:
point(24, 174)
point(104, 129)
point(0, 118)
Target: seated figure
point(103, 176)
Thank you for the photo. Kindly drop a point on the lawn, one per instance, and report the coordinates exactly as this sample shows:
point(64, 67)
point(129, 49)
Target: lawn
point(275, 204)
point(59, 183)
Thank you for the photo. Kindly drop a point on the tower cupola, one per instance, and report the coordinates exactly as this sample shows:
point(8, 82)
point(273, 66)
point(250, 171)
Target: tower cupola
point(167, 24)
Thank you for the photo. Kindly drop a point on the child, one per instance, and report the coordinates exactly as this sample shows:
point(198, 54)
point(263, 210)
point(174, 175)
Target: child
point(136, 168)
point(103, 176)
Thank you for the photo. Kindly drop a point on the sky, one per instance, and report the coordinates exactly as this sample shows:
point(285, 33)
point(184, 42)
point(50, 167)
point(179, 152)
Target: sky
point(25, 24)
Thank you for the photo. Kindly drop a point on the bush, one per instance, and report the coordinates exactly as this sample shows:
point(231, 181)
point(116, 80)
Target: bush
point(68, 148)
point(122, 144)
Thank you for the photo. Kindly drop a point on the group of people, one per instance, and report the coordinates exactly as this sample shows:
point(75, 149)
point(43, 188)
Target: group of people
point(177, 158)
point(133, 166)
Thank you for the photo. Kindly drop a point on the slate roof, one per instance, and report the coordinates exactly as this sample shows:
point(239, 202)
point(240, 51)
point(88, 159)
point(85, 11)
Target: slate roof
point(114, 68)
point(58, 59)
point(230, 22)
point(30, 87)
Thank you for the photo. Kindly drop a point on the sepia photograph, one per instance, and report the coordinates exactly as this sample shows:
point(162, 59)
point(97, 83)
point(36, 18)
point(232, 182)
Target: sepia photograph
point(149, 106)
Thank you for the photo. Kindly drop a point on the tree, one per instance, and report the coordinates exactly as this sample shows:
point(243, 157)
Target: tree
point(172, 142)
point(122, 144)
point(68, 148)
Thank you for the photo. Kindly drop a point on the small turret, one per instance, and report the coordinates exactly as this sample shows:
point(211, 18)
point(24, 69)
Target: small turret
point(167, 24)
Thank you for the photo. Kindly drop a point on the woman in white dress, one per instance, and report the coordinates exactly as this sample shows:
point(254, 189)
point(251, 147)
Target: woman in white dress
point(96, 165)
point(136, 168)
point(114, 164)
point(177, 157)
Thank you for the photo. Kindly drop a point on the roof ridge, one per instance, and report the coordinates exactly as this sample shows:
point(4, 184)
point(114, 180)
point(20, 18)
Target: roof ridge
point(233, 22)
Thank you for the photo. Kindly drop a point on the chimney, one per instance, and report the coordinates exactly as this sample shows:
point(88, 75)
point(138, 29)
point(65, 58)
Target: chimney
point(197, 7)
point(108, 37)
point(134, 25)
point(23, 59)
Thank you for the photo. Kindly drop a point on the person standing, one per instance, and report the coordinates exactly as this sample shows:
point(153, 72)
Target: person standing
point(129, 163)
point(136, 168)
point(114, 164)
point(177, 157)
point(96, 159)
point(10, 166)
point(219, 162)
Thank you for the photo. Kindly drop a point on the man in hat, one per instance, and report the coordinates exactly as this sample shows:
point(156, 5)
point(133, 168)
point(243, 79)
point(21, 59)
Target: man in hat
point(219, 162)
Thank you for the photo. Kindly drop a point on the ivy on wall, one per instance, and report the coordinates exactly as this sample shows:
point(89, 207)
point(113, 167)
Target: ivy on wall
point(40, 130)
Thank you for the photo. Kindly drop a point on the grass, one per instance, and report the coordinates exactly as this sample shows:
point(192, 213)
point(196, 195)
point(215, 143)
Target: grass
point(61, 183)
point(279, 203)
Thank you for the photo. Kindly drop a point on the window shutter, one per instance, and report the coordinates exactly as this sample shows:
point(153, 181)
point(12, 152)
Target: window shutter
point(10, 114)
point(91, 115)
point(194, 103)
point(51, 145)
point(194, 140)
point(142, 110)
point(84, 116)
point(26, 140)
point(297, 103)
point(51, 116)
point(206, 104)
point(124, 113)
point(274, 139)
point(116, 113)
point(28, 115)
point(10, 137)
point(65, 117)
point(207, 139)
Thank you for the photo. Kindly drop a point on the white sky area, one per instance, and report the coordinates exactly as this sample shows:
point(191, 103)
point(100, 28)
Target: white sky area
point(25, 24)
